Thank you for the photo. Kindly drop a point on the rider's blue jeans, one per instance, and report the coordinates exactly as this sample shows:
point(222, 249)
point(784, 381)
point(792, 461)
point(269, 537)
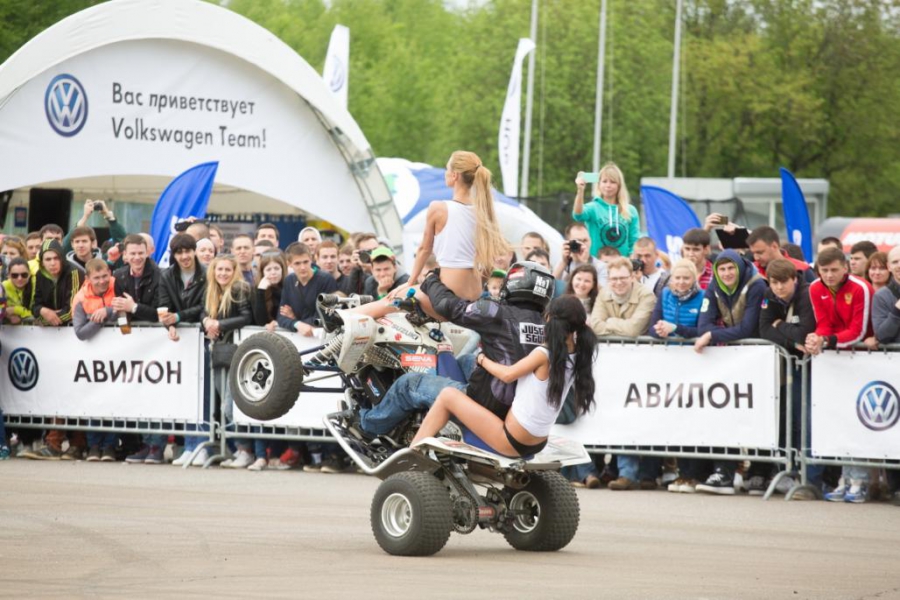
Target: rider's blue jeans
point(411, 392)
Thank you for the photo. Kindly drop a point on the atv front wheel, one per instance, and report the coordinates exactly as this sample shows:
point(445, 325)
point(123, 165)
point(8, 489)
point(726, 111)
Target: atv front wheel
point(411, 514)
point(265, 376)
point(546, 513)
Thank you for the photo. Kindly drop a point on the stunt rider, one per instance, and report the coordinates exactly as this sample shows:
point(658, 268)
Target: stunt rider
point(510, 329)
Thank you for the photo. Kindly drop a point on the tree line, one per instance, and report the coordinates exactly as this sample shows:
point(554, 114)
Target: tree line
point(806, 84)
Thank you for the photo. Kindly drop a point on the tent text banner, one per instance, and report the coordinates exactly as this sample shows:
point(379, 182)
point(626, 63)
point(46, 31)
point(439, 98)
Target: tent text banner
point(157, 107)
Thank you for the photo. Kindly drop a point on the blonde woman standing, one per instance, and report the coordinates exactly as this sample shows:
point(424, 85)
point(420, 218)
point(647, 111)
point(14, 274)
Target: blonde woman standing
point(610, 217)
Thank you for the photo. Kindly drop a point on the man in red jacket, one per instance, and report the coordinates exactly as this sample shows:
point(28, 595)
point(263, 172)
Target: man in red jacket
point(765, 245)
point(842, 304)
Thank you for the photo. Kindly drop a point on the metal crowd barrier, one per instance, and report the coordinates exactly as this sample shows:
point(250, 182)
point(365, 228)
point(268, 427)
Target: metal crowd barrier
point(292, 427)
point(219, 431)
point(806, 458)
point(783, 456)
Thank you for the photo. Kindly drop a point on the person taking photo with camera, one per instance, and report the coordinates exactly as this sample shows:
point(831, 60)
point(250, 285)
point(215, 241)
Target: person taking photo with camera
point(576, 251)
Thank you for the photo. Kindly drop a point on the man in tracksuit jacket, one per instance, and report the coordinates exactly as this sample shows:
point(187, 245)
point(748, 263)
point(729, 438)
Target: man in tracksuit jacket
point(842, 303)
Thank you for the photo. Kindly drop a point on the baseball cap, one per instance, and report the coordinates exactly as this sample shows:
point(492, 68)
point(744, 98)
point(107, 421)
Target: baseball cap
point(382, 252)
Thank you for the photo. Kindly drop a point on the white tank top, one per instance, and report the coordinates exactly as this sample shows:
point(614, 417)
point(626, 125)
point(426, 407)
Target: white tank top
point(530, 406)
point(454, 246)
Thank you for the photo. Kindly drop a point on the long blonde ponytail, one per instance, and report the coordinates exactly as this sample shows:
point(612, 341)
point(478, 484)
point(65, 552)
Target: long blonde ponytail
point(489, 242)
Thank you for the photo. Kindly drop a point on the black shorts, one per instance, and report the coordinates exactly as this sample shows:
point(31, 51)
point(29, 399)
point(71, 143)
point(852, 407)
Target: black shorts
point(523, 449)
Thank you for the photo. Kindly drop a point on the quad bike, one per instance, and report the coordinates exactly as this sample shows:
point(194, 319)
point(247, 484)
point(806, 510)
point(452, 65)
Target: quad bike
point(451, 483)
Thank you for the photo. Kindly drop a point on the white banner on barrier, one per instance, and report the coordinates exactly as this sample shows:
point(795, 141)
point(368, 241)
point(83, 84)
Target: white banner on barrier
point(48, 371)
point(311, 407)
point(855, 405)
point(672, 396)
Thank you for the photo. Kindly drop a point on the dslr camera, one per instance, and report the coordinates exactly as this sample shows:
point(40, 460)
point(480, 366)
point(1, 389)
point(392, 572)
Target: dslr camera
point(365, 256)
point(574, 246)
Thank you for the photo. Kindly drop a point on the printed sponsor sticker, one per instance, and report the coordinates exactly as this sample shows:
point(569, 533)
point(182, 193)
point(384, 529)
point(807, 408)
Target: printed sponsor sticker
point(531, 333)
point(418, 360)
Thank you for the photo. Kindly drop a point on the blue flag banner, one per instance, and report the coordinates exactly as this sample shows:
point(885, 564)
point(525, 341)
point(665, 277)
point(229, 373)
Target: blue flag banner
point(186, 196)
point(668, 217)
point(796, 215)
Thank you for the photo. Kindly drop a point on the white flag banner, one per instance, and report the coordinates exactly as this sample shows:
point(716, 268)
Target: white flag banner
point(671, 396)
point(337, 63)
point(311, 407)
point(510, 123)
point(47, 371)
point(855, 406)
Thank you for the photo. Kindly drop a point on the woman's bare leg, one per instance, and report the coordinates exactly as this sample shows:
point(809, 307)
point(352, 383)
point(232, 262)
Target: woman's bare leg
point(380, 308)
point(478, 419)
point(376, 309)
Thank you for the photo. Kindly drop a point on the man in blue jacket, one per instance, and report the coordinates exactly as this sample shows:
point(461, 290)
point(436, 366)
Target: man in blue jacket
point(301, 289)
point(730, 312)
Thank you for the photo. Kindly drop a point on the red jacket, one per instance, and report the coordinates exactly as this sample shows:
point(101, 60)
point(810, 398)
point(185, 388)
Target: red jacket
point(844, 317)
point(801, 266)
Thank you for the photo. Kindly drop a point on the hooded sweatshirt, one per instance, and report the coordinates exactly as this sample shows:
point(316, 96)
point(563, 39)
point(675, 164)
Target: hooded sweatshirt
point(732, 313)
point(76, 262)
point(608, 228)
point(55, 293)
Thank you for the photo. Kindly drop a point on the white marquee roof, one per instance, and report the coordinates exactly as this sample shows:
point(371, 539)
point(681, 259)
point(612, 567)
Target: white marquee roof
point(205, 24)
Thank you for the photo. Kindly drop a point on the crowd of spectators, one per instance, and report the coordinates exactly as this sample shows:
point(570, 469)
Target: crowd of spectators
point(629, 288)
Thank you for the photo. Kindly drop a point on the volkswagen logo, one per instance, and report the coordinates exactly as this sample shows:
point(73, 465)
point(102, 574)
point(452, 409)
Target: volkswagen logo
point(878, 406)
point(66, 105)
point(23, 369)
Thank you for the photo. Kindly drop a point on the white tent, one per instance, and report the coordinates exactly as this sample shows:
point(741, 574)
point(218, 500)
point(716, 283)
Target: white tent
point(415, 185)
point(128, 94)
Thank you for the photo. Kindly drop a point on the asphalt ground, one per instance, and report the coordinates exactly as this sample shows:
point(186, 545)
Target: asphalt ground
point(77, 529)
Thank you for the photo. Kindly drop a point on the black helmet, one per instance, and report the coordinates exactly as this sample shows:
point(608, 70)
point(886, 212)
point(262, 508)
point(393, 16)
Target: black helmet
point(528, 281)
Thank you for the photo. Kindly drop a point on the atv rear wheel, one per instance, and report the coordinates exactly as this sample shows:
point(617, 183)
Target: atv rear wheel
point(265, 376)
point(547, 513)
point(411, 514)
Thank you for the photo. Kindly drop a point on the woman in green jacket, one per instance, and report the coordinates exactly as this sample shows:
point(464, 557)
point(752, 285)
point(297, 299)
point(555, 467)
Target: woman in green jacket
point(610, 218)
point(19, 289)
